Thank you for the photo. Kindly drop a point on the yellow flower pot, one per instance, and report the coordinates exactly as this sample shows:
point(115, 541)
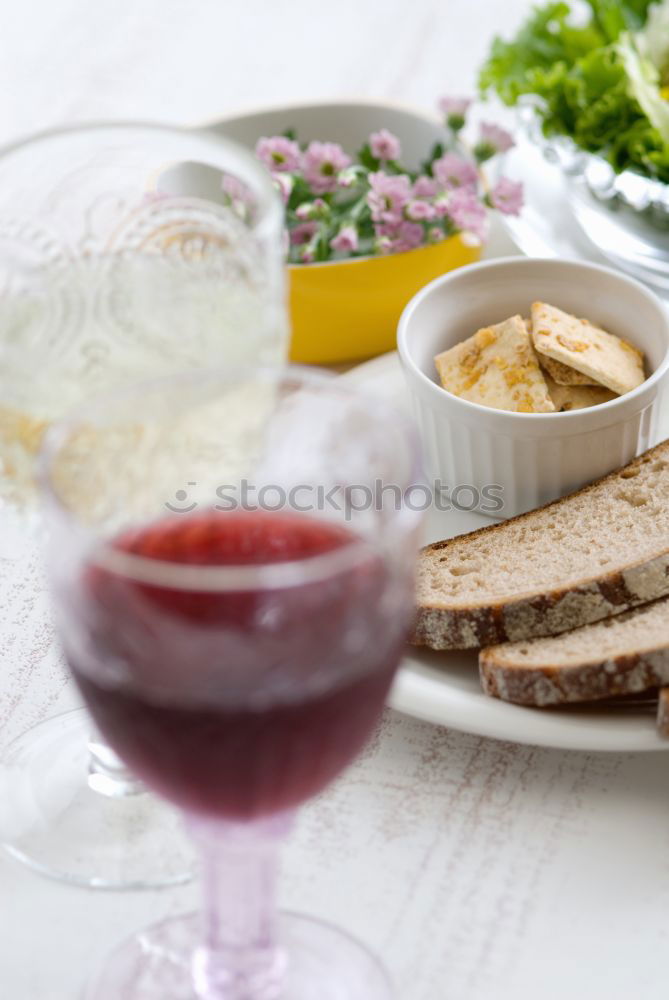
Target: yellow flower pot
point(348, 310)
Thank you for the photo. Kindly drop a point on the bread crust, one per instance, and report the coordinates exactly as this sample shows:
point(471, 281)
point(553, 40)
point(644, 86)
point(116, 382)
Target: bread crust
point(545, 685)
point(663, 713)
point(534, 614)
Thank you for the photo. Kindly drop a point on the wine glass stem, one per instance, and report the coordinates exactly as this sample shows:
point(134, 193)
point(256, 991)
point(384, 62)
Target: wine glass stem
point(239, 958)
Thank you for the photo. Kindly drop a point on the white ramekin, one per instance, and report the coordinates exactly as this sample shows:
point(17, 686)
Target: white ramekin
point(530, 458)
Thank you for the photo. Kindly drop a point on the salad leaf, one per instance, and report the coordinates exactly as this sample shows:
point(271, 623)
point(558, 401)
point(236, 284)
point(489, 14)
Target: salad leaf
point(588, 85)
point(613, 17)
point(653, 40)
point(544, 41)
point(644, 80)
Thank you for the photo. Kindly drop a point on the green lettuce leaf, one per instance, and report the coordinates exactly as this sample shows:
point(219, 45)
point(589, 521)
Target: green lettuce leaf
point(644, 84)
point(582, 78)
point(545, 40)
point(653, 40)
point(613, 17)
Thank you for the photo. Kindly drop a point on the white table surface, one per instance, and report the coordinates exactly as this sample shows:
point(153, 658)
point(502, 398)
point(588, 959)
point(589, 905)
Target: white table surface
point(478, 870)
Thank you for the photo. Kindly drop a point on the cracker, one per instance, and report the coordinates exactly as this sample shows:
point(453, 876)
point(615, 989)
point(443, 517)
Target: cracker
point(563, 374)
point(602, 356)
point(497, 367)
point(577, 397)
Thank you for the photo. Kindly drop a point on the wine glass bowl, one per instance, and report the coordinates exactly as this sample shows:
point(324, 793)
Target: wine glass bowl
point(306, 665)
point(236, 653)
point(110, 274)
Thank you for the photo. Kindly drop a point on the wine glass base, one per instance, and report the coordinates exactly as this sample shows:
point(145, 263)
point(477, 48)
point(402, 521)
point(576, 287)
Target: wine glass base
point(322, 963)
point(56, 823)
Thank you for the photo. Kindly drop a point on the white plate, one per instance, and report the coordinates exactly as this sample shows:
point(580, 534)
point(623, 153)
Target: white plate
point(444, 687)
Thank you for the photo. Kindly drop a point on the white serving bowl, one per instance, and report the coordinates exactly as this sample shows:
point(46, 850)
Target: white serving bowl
point(531, 457)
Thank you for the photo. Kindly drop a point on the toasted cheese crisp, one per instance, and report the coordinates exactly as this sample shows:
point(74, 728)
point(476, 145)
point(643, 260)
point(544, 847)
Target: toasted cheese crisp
point(577, 397)
point(602, 356)
point(497, 367)
point(560, 373)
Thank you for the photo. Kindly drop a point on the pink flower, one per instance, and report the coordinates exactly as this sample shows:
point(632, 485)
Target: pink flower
point(352, 175)
point(387, 196)
point(435, 234)
point(238, 195)
point(419, 211)
point(456, 107)
point(453, 171)
point(507, 197)
point(467, 213)
point(442, 202)
point(492, 140)
point(346, 240)
point(383, 244)
point(424, 187)
point(235, 189)
point(312, 210)
point(279, 153)
point(394, 238)
point(284, 185)
point(303, 233)
point(322, 162)
point(409, 236)
point(384, 145)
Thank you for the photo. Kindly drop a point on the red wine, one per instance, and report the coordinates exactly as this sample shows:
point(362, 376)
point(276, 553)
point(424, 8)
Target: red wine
point(235, 703)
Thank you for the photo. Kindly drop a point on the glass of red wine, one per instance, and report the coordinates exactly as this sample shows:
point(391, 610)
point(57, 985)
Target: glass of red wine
point(231, 560)
point(127, 251)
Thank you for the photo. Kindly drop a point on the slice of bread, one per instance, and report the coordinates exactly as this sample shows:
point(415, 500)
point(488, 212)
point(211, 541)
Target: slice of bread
point(592, 554)
point(663, 713)
point(626, 654)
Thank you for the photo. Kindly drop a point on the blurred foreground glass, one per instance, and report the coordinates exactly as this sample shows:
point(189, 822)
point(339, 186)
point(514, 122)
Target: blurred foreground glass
point(127, 251)
point(236, 645)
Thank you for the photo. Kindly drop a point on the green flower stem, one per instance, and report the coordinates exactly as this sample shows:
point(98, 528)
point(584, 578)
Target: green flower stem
point(358, 208)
